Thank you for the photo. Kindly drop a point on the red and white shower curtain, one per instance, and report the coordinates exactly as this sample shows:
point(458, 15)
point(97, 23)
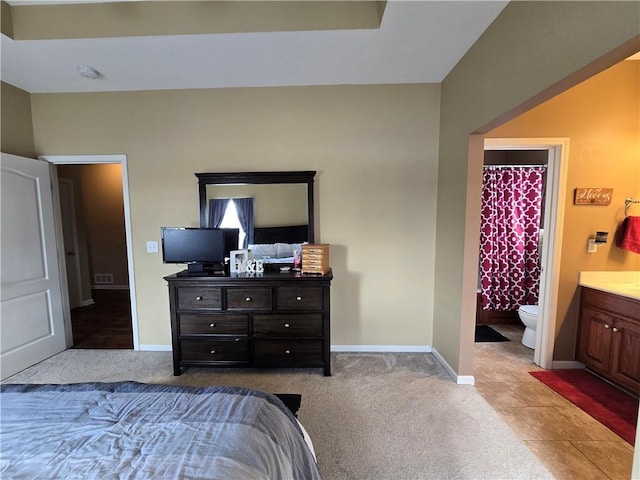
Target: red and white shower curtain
point(509, 262)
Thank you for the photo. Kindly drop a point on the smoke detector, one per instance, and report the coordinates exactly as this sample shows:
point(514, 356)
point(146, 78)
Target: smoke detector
point(88, 71)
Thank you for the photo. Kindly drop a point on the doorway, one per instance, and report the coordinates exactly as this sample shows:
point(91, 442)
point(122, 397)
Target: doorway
point(91, 207)
point(107, 315)
point(511, 236)
point(557, 161)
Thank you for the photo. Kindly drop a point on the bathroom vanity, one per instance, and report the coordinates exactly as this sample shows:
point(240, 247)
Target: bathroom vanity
point(609, 327)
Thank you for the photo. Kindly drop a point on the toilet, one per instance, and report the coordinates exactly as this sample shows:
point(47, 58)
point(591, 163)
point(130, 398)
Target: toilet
point(529, 317)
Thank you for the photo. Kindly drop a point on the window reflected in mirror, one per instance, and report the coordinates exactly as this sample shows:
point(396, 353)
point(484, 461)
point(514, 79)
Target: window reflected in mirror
point(273, 210)
point(265, 213)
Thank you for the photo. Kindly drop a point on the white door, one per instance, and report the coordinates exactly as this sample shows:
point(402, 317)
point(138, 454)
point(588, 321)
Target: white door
point(31, 317)
point(70, 238)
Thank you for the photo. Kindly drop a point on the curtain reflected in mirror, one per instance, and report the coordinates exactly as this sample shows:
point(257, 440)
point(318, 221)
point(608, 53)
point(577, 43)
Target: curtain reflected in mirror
point(233, 213)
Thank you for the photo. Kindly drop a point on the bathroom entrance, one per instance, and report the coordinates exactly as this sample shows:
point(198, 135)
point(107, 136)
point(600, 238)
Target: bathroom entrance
point(542, 255)
point(511, 239)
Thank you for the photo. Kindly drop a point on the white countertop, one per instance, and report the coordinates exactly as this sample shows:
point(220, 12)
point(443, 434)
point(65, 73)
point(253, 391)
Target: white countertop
point(626, 284)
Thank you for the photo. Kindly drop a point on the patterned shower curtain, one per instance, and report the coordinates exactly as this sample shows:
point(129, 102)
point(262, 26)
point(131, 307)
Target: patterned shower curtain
point(509, 262)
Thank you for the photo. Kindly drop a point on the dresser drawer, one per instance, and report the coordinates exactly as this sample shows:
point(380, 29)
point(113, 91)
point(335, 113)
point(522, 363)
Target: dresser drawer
point(290, 352)
point(301, 325)
point(313, 259)
point(317, 249)
point(319, 269)
point(199, 297)
point(248, 299)
point(221, 324)
point(299, 298)
point(236, 350)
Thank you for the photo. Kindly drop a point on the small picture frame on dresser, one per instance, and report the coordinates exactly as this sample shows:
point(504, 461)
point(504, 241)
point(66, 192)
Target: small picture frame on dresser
point(238, 261)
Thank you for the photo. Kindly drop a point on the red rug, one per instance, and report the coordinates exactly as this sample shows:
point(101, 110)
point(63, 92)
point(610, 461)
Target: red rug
point(612, 407)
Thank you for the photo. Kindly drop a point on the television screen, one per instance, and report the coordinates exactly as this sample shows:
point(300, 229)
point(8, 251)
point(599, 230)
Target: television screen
point(199, 248)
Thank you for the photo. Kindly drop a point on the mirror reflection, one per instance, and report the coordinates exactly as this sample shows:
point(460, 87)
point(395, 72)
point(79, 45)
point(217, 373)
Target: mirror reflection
point(272, 210)
point(264, 213)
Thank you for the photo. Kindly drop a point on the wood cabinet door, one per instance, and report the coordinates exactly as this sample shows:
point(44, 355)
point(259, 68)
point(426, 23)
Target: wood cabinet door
point(625, 364)
point(595, 339)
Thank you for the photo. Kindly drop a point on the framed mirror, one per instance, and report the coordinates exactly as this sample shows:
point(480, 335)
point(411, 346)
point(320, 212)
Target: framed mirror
point(276, 207)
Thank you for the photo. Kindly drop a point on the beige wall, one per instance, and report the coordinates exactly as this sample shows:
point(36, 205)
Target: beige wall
point(16, 129)
point(375, 151)
point(515, 65)
point(600, 118)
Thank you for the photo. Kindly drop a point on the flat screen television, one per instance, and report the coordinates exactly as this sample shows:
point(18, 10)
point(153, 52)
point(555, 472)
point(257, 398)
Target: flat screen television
point(203, 250)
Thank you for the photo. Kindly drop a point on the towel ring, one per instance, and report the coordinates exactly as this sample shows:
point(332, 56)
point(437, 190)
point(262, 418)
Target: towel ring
point(627, 203)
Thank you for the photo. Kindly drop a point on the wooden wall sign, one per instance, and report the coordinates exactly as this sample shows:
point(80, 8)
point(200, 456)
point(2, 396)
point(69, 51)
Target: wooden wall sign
point(593, 196)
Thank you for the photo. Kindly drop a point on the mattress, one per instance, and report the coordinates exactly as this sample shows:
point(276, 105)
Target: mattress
point(130, 430)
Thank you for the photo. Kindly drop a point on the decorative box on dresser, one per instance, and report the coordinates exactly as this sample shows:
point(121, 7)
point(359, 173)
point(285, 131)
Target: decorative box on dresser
point(315, 258)
point(273, 319)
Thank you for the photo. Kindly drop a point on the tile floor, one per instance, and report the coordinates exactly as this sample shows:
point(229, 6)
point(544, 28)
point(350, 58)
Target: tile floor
point(569, 442)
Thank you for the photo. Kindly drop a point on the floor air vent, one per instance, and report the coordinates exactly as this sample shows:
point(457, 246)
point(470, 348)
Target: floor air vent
point(103, 278)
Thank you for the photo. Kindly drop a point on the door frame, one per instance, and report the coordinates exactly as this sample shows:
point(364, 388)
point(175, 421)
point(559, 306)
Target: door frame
point(83, 160)
point(71, 213)
point(557, 166)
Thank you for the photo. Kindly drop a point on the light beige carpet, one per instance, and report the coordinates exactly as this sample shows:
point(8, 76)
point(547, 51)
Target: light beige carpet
point(380, 416)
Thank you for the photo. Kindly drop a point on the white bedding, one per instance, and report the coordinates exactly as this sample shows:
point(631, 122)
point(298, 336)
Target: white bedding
point(274, 252)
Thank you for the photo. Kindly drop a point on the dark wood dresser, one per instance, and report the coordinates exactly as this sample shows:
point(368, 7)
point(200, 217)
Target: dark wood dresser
point(273, 319)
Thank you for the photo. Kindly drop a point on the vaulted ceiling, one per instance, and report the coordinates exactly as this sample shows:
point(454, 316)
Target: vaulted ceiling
point(142, 45)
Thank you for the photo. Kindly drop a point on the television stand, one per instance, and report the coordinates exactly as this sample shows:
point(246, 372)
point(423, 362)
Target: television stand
point(202, 270)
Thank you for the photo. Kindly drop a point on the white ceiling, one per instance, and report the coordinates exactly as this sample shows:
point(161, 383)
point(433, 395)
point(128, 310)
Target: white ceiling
point(417, 42)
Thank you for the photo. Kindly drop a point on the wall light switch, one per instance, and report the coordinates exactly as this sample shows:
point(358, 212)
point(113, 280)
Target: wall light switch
point(152, 247)
point(592, 246)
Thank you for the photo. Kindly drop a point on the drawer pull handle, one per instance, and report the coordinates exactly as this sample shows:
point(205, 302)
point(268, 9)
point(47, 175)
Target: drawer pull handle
point(212, 325)
point(199, 298)
point(298, 298)
point(287, 352)
point(213, 352)
point(247, 299)
point(615, 329)
point(606, 325)
point(286, 325)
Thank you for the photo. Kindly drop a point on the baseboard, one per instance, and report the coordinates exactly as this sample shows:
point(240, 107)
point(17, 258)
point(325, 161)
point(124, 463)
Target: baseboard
point(382, 348)
point(109, 287)
point(334, 348)
point(86, 303)
point(155, 348)
point(566, 364)
point(459, 379)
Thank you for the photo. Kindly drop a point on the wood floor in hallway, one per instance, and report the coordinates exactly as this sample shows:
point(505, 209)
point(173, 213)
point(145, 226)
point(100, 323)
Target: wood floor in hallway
point(572, 444)
point(106, 324)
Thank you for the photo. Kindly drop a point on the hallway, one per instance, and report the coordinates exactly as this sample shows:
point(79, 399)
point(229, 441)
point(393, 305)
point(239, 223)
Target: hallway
point(106, 324)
